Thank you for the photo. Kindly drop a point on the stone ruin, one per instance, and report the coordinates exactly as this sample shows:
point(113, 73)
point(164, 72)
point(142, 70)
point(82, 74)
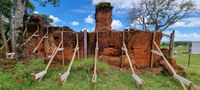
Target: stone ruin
point(139, 43)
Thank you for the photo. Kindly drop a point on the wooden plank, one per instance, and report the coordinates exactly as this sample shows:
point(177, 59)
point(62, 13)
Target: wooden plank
point(94, 77)
point(64, 76)
point(156, 52)
point(63, 57)
point(60, 49)
point(185, 81)
point(85, 44)
point(40, 74)
point(54, 53)
point(171, 43)
point(4, 44)
point(121, 61)
point(137, 78)
point(171, 68)
point(10, 55)
point(31, 37)
point(39, 43)
point(152, 48)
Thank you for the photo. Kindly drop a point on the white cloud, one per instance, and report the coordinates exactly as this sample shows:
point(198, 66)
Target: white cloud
point(188, 22)
point(55, 19)
point(89, 19)
point(179, 36)
point(75, 23)
point(36, 12)
point(116, 24)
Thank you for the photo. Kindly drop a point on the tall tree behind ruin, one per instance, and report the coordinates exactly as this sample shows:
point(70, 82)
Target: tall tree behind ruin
point(160, 14)
point(20, 8)
point(4, 12)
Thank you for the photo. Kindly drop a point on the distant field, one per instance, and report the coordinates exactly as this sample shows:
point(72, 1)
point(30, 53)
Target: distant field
point(108, 79)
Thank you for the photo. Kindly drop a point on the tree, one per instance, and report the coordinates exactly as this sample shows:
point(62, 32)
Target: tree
point(20, 8)
point(160, 14)
point(4, 12)
point(44, 17)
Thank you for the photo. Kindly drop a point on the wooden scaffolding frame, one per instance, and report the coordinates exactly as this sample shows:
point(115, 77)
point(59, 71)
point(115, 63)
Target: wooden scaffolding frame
point(138, 81)
point(180, 79)
point(42, 39)
point(42, 73)
point(35, 34)
point(94, 77)
point(63, 77)
point(4, 44)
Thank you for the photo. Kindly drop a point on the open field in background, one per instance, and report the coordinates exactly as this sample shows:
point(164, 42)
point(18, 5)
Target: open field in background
point(19, 77)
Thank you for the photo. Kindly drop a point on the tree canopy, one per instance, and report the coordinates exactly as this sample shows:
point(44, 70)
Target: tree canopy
point(160, 14)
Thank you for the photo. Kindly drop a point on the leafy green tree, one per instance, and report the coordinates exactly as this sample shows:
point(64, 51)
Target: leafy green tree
point(45, 18)
point(160, 14)
point(20, 8)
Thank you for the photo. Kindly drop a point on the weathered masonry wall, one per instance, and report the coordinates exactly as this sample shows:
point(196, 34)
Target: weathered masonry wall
point(138, 43)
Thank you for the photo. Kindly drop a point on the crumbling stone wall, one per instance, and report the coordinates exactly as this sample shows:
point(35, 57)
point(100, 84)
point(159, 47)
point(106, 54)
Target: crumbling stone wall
point(138, 43)
point(103, 16)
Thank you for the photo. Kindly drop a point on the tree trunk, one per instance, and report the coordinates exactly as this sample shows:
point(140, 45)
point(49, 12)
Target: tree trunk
point(3, 35)
point(20, 47)
point(12, 30)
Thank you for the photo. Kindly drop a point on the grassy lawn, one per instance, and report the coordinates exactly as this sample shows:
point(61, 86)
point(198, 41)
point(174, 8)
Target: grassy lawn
point(19, 77)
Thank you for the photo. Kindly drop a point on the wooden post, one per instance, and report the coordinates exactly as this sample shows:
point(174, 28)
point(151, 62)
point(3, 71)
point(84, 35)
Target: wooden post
point(63, 58)
point(78, 54)
point(39, 43)
point(121, 66)
point(170, 67)
point(85, 44)
point(94, 77)
point(152, 48)
point(189, 59)
point(63, 78)
point(171, 43)
point(46, 42)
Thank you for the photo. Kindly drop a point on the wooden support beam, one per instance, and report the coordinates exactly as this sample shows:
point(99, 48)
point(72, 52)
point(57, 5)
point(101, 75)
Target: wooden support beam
point(42, 73)
point(156, 52)
point(63, 57)
point(94, 77)
point(24, 33)
point(4, 44)
point(39, 43)
point(62, 78)
point(152, 48)
point(31, 36)
point(10, 55)
point(121, 62)
point(85, 44)
point(171, 44)
point(180, 79)
point(136, 78)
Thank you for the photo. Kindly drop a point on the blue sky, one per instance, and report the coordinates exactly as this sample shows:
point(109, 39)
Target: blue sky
point(79, 14)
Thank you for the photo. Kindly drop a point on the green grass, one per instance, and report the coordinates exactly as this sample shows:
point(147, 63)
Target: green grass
point(80, 77)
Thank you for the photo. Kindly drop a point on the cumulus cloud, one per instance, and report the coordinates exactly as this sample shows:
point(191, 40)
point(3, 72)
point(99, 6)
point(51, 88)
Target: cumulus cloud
point(75, 23)
point(188, 22)
point(89, 19)
point(116, 24)
point(55, 19)
point(179, 36)
point(36, 12)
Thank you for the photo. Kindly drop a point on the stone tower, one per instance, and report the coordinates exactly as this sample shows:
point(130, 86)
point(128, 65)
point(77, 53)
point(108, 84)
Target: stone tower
point(103, 16)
